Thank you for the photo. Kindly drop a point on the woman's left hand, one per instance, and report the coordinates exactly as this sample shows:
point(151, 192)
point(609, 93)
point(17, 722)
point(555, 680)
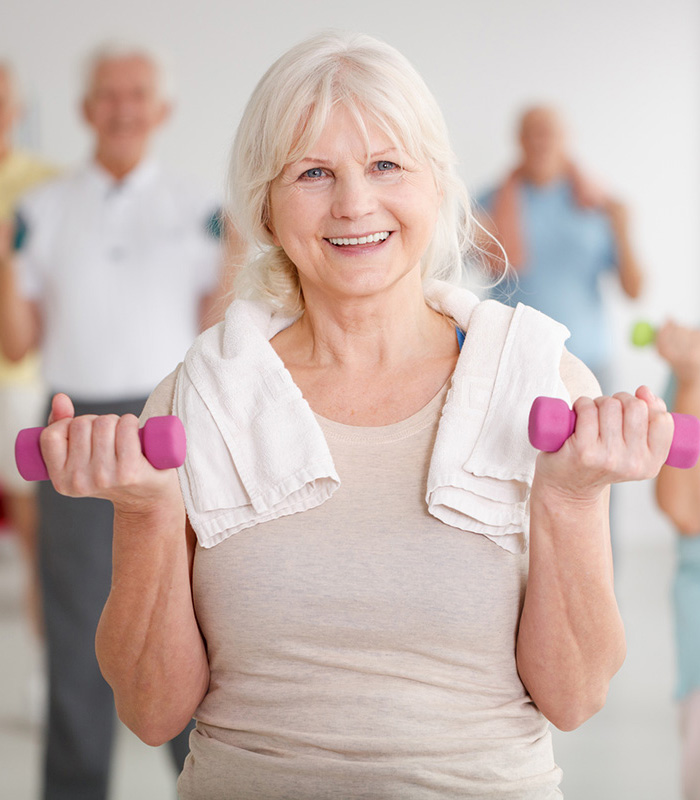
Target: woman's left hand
point(616, 439)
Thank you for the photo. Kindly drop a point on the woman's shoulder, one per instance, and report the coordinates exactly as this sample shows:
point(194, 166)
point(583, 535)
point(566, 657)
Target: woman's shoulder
point(160, 402)
point(577, 377)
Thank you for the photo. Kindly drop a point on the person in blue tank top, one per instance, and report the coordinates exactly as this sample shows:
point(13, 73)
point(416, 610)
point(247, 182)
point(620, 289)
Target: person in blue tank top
point(678, 495)
point(561, 234)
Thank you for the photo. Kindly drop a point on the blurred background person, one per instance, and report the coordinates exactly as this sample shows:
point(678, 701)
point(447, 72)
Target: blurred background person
point(22, 396)
point(118, 271)
point(561, 233)
point(678, 495)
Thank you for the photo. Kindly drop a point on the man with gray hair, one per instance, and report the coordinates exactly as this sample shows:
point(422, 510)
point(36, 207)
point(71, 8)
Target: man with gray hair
point(118, 272)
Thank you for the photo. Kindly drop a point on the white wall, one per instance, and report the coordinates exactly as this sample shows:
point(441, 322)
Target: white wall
point(626, 73)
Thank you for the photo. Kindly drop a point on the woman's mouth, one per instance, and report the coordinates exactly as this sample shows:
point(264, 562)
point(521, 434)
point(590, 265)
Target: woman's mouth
point(350, 241)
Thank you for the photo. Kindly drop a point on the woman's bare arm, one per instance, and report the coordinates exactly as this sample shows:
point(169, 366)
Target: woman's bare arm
point(571, 638)
point(148, 642)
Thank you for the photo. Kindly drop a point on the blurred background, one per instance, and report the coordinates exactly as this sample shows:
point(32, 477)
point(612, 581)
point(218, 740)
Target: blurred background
point(625, 74)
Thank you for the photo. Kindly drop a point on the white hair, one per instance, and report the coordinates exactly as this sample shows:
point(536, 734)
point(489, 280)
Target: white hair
point(285, 116)
point(117, 50)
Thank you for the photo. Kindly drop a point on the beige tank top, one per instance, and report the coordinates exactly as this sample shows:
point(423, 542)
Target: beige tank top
point(363, 649)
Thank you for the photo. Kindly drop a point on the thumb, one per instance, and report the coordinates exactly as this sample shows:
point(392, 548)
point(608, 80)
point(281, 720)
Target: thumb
point(61, 408)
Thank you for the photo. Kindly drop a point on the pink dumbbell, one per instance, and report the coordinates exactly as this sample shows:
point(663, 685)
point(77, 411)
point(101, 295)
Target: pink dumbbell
point(162, 442)
point(552, 422)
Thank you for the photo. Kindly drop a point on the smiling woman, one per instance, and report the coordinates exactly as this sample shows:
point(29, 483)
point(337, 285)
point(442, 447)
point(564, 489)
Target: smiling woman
point(322, 217)
point(366, 89)
point(389, 594)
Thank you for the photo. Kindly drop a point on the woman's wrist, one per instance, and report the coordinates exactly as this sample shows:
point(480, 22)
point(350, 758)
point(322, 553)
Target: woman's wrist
point(161, 514)
point(564, 498)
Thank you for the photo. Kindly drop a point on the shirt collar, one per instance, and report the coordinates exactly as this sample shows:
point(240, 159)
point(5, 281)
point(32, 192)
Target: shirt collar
point(141, 175)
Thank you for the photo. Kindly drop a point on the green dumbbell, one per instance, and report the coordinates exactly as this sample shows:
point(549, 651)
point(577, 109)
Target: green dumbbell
point(643, 333)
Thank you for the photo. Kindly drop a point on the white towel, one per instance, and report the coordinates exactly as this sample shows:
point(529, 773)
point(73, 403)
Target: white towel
point(256, 452)
point(254, 449)
point(483, 464)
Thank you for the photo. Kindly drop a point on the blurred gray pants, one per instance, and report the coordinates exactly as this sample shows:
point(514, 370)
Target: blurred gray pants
point(75, 562)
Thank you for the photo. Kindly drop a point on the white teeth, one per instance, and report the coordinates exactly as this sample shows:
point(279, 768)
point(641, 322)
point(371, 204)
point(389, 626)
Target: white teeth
point(373, 237)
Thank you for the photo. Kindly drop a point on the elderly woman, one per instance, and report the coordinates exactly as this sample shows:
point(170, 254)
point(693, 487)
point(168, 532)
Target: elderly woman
point(340, 587)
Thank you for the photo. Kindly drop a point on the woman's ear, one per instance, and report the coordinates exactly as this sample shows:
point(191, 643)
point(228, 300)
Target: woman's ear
point(270, 227)
point(275, 240)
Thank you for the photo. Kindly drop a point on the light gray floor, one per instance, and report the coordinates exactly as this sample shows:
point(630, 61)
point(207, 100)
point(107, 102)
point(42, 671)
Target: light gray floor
point(629, 750)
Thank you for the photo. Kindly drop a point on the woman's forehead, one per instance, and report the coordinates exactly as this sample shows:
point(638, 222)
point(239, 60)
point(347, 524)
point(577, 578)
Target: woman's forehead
point(344, 132)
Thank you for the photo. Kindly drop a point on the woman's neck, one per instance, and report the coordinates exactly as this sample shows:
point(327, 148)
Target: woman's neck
point(374, 361)
point(368, 333)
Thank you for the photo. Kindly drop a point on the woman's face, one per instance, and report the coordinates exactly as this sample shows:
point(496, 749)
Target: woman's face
point(353, 227)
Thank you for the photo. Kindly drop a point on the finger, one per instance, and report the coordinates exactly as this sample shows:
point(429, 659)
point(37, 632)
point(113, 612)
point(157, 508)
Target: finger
point(127, 440)
point(610, 421)
point(587, 430)
point(660, 435)
point(103, 449)
point(660, 425)
point(61, 408)
point(79, 442)
point(635, 424)
point(53, 442)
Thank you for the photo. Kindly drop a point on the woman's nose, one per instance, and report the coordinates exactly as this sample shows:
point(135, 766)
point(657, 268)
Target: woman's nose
point(353, 197)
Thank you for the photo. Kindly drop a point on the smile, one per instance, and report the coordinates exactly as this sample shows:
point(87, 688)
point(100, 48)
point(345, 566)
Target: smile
point(371, 238)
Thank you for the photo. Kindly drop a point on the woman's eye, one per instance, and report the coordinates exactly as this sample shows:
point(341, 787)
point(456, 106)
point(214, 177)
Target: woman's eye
point(314, 172)
point(386, 166)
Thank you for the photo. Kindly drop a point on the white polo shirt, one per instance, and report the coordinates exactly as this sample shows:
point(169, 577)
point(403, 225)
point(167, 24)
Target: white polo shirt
point(119, 269)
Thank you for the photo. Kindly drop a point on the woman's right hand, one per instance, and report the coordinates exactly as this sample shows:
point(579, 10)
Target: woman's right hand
point(100, 456)
point(680, 346)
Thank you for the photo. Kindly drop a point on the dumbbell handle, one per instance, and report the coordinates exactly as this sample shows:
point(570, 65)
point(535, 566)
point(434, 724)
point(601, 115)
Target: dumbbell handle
point(552, 422)
point(162, 442)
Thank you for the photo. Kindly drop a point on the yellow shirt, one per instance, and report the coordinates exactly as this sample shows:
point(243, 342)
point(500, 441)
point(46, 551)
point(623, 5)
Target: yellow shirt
point(19, 172)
